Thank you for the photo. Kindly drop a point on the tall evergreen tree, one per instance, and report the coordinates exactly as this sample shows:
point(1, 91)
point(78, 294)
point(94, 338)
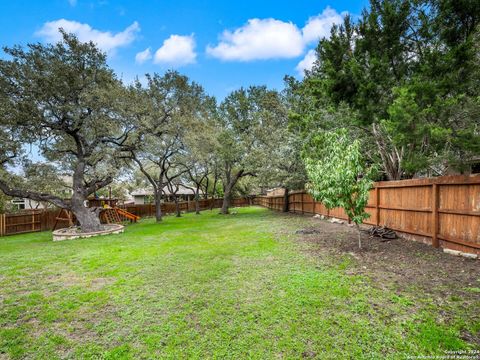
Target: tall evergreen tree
point(406, 73)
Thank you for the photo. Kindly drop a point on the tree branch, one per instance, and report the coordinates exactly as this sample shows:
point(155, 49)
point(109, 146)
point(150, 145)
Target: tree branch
point(55, 200)
point(93, 186)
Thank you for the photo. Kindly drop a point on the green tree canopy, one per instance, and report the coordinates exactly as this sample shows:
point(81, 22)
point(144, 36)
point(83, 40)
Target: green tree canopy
point(247, 118)
point(163, 114)
point(63, 99)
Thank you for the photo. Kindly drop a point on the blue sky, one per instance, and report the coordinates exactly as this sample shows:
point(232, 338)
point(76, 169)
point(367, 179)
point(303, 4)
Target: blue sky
point(223, 45)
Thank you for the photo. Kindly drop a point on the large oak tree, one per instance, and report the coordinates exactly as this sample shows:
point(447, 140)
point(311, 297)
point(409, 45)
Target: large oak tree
point(247, 119)
point(163, 113)
point(62, 99)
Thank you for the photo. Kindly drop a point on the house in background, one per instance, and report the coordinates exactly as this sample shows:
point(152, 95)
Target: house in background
point(145, 196)
point(64, 190)
point(27, 204)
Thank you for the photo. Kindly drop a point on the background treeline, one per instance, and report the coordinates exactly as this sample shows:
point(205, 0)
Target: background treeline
point(401, 82)
point(85, 123)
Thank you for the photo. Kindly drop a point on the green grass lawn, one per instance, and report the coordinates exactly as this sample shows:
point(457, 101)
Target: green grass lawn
point(204, 286)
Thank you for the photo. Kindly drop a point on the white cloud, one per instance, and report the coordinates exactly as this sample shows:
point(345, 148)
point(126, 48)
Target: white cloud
point(177, 50)
point(143, 56)
point(307, 62)
point(262, 39)
point(259, 39)
point(319, 26)
point(72, 2)
point(105, 40)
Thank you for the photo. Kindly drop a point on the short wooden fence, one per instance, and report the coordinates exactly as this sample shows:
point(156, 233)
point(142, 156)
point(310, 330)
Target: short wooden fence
point(185, 206)
point(443, 211)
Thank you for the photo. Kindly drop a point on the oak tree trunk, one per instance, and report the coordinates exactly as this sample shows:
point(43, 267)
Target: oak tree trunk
point(226, 203)
point(197, 201)
point(177, 207)
point(158, 205)
point(88, 218)
point(227, 196)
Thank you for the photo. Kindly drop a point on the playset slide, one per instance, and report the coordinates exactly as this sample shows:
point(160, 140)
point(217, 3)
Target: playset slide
point(128, 215)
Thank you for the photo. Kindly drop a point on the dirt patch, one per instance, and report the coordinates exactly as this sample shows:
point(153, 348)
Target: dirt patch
point(308, 231)
point(405, 267)
point(100, 283)
point(65, 280)
point(399, 264)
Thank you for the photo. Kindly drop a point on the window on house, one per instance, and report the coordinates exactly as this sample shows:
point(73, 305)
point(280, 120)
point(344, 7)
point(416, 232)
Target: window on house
point(19, 204)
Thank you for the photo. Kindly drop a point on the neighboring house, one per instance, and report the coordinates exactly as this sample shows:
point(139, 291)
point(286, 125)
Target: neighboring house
point(471, 167)
point(129, 200)
point(278, 191)
point(145, 196)
point(28, 204)
point(142, 196)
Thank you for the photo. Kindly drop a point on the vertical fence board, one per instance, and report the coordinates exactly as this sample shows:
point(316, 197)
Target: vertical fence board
point(435, 242)
point(2, 226)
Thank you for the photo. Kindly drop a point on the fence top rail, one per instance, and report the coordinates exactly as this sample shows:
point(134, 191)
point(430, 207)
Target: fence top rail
point(421, 182)
point(293, 192)
point(441, 180)
point(24, 214)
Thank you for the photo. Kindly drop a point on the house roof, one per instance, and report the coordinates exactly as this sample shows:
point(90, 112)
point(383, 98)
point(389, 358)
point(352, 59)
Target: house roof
point(183, 190)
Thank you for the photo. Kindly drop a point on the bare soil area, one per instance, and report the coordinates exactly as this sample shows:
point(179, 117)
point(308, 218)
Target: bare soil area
point(408, 267)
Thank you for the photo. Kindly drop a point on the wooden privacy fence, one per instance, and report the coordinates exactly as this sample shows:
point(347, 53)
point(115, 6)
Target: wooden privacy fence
point(443, 211)
point(31, 221)
point(42, 220)
point(20, 223)
point(169, 208)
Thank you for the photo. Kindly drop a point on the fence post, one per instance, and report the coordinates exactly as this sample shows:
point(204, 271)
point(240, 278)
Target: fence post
point(435, 242)
point(285, 201)
point(301, 201)
point(2, 221)
point(42, 220)
point(377, 206)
